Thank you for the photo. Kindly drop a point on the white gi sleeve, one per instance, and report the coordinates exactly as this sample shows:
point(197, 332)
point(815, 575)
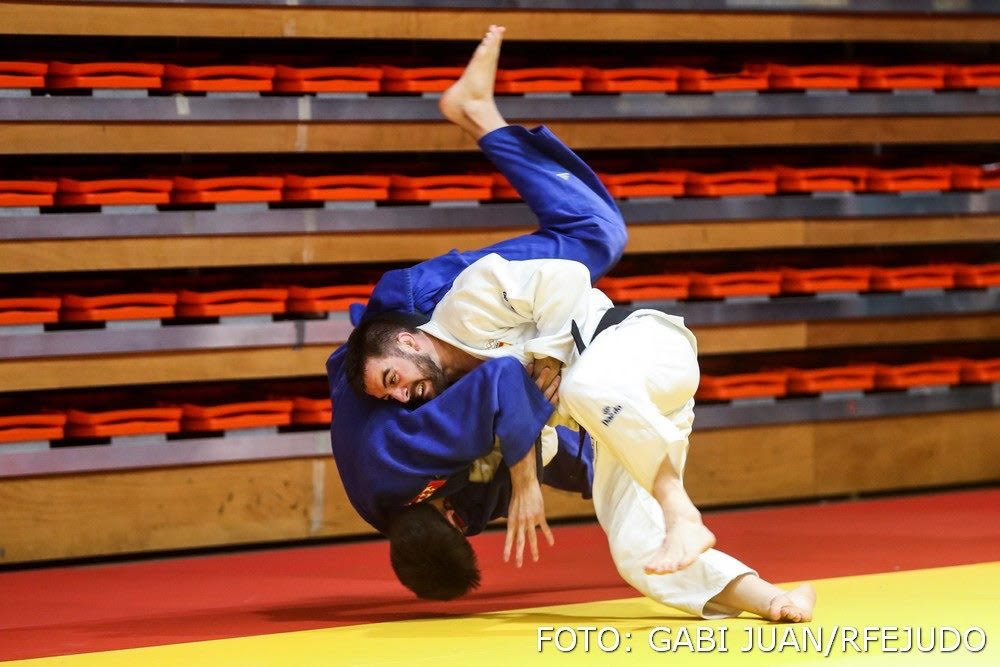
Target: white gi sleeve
point(494, 295)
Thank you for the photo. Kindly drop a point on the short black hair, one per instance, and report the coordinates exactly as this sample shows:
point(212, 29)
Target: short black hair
point(375, 337)
point(429, 556)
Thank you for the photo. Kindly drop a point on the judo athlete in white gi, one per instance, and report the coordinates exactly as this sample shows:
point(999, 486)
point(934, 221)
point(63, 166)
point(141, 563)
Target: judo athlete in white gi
point(632, 389)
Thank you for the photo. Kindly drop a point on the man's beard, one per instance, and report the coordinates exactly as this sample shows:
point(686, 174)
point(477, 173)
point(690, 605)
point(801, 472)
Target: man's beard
point(431, 372)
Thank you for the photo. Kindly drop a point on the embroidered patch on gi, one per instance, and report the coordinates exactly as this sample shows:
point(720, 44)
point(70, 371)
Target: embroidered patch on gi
point(428, 491)
point(610, 413)
point(563, 175)
point(493, 344)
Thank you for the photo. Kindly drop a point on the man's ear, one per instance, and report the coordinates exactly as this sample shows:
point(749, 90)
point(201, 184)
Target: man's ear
point(408, 340)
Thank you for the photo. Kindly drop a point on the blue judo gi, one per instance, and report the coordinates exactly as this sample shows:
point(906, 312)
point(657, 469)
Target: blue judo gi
point(389, 455)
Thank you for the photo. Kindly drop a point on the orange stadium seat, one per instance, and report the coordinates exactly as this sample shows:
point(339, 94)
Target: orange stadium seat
point(307, 410)
point(502, 189)
point(968, 177)
point(853, 377)
point(29, 310)
point(645, 183)
point(251, 414)
point(539, 79)
point(336, 187)
point(105, 75)
point(15, 74)
point(441, 187)
point(909, 179)
point(219, 78)
point(137, 421)
point(806, 77)
point(630, 79)
point(44, 426)
point(325, 299)
point(640, 288)
point(832, 279)
point(704, 80)
point(729, 183)
point(261, 301)
point(418, 79)
point(327, 79)
point(116, 191)
point(925, 276)
point(900, 77)
point(744, 385)
point(227, 189)
point(977, 275)
point(919, 374)
point(27, 193)
point(973, 76)
point(979, 371)
point(132, 306)
point(739, 283)
point(820, 179)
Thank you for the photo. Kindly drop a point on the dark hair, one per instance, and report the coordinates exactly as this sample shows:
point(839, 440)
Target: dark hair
point(429, 556)
point(375, 337)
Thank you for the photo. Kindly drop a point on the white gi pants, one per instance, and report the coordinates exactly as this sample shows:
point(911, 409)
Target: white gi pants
point(633, 390)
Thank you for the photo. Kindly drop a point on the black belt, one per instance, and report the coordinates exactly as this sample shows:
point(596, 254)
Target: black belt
point(612, 316)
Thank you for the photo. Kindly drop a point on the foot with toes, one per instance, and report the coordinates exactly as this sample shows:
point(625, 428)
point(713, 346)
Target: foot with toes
point(685, 541)
point(469, 101)
point(795, 606)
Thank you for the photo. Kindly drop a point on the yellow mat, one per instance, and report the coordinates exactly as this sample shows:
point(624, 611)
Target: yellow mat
point(941, 616)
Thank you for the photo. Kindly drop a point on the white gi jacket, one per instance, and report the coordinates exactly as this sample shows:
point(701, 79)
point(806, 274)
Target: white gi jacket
point(524, 308)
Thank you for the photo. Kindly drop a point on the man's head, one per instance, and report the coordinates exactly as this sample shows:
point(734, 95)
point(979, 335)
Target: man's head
point(388, 357)
point(429, 555)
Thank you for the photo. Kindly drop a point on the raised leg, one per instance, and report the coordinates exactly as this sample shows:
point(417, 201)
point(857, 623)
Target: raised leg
point(632, 391)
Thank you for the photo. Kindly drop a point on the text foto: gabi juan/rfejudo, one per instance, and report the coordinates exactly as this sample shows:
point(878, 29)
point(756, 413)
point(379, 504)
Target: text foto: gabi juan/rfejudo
point(764, 639)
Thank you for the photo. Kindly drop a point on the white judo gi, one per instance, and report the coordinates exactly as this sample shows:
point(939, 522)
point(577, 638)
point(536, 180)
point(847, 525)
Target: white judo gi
point(632, 390)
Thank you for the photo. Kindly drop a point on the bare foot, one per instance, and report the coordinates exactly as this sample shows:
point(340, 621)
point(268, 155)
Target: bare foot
point(469, 101)
point(685, 541)
point(795, 606)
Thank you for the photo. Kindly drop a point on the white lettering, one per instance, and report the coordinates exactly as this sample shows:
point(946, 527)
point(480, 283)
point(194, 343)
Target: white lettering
point(845, 639)
point(609, 648)
point(955, 634)
point(968, 643)
point(656, 643)
point(559, 643)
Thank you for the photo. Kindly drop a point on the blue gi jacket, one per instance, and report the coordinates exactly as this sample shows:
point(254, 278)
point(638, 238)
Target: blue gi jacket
point(389, 455)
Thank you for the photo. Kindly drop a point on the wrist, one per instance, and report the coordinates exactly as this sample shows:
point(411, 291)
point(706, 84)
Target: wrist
point(523, 472)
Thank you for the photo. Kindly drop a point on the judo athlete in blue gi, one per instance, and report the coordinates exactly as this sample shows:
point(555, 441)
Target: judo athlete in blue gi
point(567, 197)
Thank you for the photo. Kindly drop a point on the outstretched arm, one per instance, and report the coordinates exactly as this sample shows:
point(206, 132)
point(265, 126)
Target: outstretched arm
point(388, 455)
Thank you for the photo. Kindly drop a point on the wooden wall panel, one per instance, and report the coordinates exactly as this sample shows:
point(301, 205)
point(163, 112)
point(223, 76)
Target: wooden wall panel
point(192, 366)
point(391, 246)
point(751, 464)
point(173, 508)
point(906, 453)
point(99, 513)
point(68, 18)
point(71, 516)
point(278, 362)
point(265, 137)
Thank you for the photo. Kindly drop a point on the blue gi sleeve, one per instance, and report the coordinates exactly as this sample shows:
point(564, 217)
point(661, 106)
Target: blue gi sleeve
point(388, 455)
